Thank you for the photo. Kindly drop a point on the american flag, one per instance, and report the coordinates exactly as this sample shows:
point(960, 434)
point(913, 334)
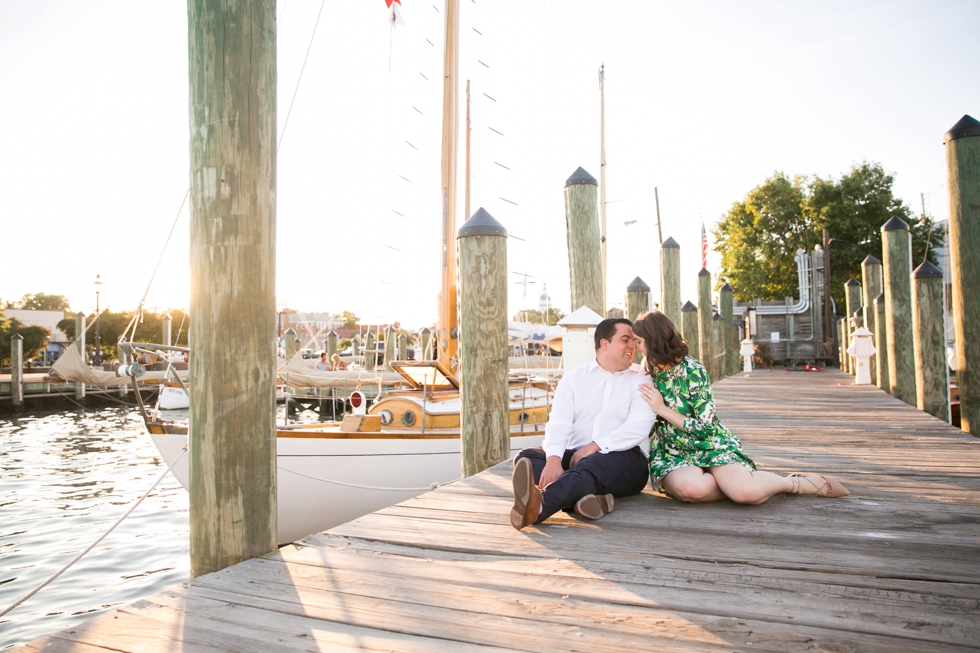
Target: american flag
point(704, 246)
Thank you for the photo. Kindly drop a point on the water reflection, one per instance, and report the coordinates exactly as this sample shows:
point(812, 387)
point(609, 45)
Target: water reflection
point(64, 479)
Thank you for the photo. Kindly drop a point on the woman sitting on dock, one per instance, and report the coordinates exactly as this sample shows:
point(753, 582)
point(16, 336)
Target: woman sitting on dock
point(693, 457)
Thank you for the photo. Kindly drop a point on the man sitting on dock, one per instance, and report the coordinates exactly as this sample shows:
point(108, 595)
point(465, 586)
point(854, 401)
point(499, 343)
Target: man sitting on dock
point(596, 441)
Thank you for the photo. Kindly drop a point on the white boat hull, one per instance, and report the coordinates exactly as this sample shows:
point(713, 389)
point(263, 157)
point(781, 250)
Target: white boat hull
point(173, 398)
point(405, 466)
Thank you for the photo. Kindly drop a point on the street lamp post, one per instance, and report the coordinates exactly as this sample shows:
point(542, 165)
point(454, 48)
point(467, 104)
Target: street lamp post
point(98, 340)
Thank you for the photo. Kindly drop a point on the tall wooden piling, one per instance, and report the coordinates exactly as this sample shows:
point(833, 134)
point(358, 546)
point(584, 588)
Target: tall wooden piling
point(670, 280)
point(871, 287)
point(331, 343)
point(232, 437)
point(167, 325)
point(705, 326)
point(289, 343)
point(881, 344)
point(402, 346)
point(929, 337)
point(370, 355)
point(17, 370)
point(852, 296)
point(726, 301)
point(896, 275)
point(80, 346)
point(689, 329)
point(484, 409)
point(391, 346)
point(963, 172)
point(637, 298)
point(424, 336)
point(355, 346)
point(718, 345)
point(584, 248)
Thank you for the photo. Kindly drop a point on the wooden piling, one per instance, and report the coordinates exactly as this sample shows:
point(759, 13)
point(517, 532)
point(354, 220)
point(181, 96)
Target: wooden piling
point(670, 280)
point(584, 250)
point(17, 370)
point(424, 336)
point(816, 313)
point(80, 346)
point(402, 346)
point(896, 276)
point(963, 172)
point(355, 346)
point(391, 346)
point(929, 337)
point(331, 344)
point(881, 344)
point(705, 326)
point(871, 286)
point(718, 346)
point(726, 301)
point(167, 324)
point(484, 408)
point(689, 329)
point(637, 302)
point(232, 437)
point(370, 355)
point(289, 343)
point(852, 296)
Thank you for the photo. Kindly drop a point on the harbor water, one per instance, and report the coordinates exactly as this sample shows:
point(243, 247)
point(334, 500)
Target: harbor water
point(65, 477)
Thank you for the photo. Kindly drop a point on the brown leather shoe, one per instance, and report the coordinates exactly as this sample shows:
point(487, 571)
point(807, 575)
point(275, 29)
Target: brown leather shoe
point(527, 496)
point(595, 506)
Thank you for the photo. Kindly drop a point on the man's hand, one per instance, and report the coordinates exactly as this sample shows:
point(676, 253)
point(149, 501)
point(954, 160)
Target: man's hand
point(584, 452)
point(552, 470)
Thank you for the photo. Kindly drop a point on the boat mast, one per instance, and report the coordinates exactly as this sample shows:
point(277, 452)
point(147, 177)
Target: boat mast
point(602, 177)
point(447, 299)
point(466, 202)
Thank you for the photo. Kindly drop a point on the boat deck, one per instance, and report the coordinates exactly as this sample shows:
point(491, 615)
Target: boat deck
point(893, 567)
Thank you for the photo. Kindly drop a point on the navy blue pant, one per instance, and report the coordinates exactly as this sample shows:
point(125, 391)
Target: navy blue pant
point(619, 473)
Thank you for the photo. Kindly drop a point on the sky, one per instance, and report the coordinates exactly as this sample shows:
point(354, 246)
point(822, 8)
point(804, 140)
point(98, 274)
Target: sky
point(704, 100)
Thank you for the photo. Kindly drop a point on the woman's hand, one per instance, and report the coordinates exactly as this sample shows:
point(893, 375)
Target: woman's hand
point(653, 397)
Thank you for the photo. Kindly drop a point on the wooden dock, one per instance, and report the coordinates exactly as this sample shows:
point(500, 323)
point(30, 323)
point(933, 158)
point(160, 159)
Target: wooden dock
point(893, 567)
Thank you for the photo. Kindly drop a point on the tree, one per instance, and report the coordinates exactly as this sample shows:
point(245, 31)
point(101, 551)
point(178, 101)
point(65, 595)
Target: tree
point(350, 320)
point(112, 325)
point(34, 343)
point(43, 302)
point(760, 235)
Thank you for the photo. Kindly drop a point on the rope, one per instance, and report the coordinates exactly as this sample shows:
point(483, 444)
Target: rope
point(95, 543)
point(431, 486)
point(296, 90)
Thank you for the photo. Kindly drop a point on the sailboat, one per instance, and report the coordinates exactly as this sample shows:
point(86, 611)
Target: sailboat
point(406, 443)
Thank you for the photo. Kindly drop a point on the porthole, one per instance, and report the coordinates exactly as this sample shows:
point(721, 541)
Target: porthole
point(523, 417)
point(385, 417)
point(408, 418)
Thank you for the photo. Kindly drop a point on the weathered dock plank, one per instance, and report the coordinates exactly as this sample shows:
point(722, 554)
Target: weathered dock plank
point(893, 567)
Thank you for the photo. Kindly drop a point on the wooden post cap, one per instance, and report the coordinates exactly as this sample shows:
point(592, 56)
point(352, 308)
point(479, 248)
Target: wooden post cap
point(852, 282)
point(966, 126)
point(895, 224)
point(637, 285)
point(880, 299)
point(481, 224)
point(16, 336)
point(688, 308)
point(870, 260)
point(726, 288)
point(670, 243)
point(704, 273)
point(927, 271)
point(579, 177)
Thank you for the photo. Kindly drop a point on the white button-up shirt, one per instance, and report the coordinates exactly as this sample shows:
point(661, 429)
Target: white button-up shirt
point(592, 405)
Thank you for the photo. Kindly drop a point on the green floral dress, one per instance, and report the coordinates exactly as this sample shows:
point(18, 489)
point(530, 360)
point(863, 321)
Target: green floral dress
point(704, 441)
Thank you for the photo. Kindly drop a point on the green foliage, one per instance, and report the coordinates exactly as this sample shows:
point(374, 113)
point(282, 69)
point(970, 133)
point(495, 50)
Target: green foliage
point(759, 236)
point(536, 317)
point(43, 302)
point(35, 339)
point(111, 327)
point(350, 320)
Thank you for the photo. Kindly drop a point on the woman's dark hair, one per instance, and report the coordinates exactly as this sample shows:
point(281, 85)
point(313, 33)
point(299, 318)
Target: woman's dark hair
point(664, 343)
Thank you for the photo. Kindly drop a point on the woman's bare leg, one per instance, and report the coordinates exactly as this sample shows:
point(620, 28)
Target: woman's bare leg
point(692, 485)
point(742, 485)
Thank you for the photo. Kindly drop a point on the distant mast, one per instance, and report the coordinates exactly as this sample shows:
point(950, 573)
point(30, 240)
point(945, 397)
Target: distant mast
point(602, 178)
point(447, 299)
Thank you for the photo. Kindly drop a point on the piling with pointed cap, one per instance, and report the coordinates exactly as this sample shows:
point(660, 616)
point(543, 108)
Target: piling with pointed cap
point(718, 346)
point(584, 246)
point(963, 172)
point(852, 296)
point(80, 346)
point(871, 286)
point(881, 344)
point(896, 274)
point(391, 346)
point(355, 346)
point(484, 408)
point(370, 355)
point(289, 343)
point(167, 325)
point(402, 346)
point(689, 329)
point(232, 437)
point(726, 299)
point(670, 280)
point(637, 302)
point(929, 336)
point(705, 326)
point(331, 343)
point(17, 370)
point(424, 336)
